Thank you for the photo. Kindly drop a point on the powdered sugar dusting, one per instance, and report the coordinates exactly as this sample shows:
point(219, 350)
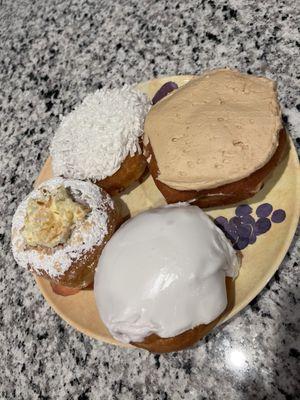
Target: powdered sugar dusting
point(93, 140)
point(85, 235)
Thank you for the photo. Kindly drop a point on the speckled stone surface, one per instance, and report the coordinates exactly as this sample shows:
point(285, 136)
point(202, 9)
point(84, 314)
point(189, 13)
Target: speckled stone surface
point(52, 53)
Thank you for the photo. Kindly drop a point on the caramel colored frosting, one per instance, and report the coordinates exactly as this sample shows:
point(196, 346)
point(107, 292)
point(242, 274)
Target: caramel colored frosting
point(49, 219)
point(216, 129)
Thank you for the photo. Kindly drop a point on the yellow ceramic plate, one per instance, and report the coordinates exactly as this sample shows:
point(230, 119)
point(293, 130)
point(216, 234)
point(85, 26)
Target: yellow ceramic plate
point(260, 260)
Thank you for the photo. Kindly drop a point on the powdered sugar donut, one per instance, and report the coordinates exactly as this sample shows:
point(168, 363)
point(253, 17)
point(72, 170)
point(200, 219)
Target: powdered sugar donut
point(60, 229)
point(100, 139)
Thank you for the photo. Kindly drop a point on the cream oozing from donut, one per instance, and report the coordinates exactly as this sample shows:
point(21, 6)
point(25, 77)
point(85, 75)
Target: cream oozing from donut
point(94, 139)
point(163, 272)
point(86, 233)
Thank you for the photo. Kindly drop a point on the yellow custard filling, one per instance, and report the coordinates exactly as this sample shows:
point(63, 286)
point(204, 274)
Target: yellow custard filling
point(50, 219)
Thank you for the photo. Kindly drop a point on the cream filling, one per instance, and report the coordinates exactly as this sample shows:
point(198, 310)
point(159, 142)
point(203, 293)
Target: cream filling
point(218, 128)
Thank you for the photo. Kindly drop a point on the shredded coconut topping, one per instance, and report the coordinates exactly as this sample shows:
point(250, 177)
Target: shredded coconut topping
point(85, 235)
point(93, 140)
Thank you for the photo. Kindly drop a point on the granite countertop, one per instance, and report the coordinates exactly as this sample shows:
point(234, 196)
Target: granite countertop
point(52, 54)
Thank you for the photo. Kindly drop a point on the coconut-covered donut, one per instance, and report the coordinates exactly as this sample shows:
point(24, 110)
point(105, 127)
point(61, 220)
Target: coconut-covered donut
point(60, 229)
point(165, 278)
point(101, 139)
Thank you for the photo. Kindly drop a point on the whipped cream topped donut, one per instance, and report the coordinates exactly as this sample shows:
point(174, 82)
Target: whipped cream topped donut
point(163, 272)
point(60, 226)
point(94, 140)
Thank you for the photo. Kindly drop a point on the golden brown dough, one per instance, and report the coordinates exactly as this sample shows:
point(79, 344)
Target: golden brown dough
point(132, 168)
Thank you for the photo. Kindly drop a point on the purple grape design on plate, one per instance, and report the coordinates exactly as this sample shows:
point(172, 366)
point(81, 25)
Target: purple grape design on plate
point(167, 88)
point(221, 221)
point(243, 209)
point(241, 244)
point(252, 238)
point(264, 210)
point(235, 221)
point(278, 216)
point(247, 220)
point(262, 225)
point(243, 229)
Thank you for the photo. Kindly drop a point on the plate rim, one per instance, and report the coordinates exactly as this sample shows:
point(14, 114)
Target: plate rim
point(270, 273)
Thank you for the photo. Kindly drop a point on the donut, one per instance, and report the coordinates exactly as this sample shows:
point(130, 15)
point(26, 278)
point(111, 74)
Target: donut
point(101, 139)
point(165, 278)
point(59, 231)
point(216, 140)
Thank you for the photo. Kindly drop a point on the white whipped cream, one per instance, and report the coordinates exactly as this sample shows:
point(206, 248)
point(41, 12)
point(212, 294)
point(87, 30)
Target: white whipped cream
point(163, 272)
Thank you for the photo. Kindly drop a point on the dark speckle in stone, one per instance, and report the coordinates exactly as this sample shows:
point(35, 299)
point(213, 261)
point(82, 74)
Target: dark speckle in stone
point(61, 329)
point(74, 381)
point(32, 77)
point(277, 277)
point(298, 107)
point(254, 305)
point(157, 362)
point(187, 367)
point(20, 302)
point(120, 385)
point(212, 37)
point(84, 396)
point(49, 105)
point(232, 13)
point(294, 353)
point(266, 315)
point(287, 396)
point(52, 93)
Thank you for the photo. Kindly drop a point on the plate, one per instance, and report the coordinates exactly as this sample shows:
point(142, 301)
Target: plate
point(260, 260)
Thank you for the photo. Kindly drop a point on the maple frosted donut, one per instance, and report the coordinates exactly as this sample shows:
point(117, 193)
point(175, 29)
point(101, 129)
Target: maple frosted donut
point(101, 139)
point(60, 229)
point(165, 278)
point(215, 140)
